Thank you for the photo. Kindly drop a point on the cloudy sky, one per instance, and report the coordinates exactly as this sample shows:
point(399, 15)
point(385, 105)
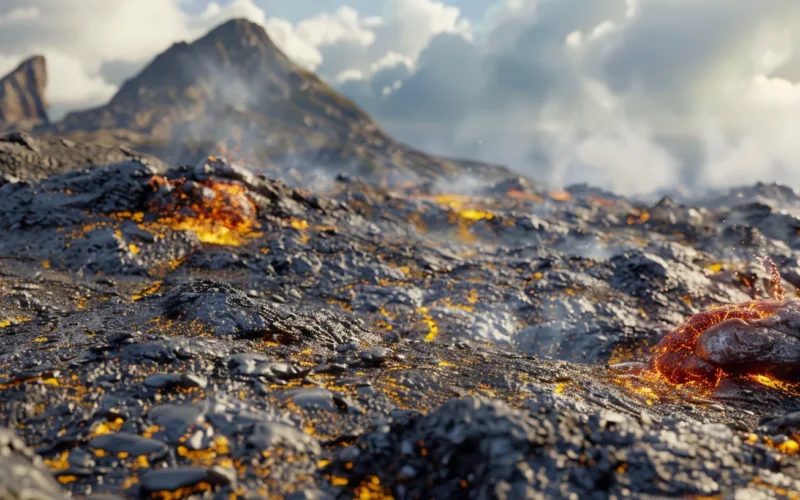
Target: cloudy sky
point(633, 95)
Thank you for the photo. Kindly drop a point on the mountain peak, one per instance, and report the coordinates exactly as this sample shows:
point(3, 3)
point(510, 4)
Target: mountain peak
point(239, 32)
point(234, 85)
point(240, 35)
point(238, 27)
point(22, 102)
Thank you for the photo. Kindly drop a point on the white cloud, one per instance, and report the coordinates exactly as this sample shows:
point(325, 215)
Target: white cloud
point(391, 88)
point(348, 42)
point(630, 94)
point(349, 76)
point(763, 140)
point(344, 25)
point(390, 60)
point(296, 47)
point(76, 87)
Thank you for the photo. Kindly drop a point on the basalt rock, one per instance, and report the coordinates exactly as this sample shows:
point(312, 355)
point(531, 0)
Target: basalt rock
point(24, 157)
point(227, 311)
point(203, 331)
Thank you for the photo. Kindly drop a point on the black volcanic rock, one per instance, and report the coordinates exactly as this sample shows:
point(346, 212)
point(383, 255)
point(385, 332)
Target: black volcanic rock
point(203, 331)
point(24, 157)
point(172, 479)
point(124, 442)
point(234, 85)
point(22, 99)
point(228, 311)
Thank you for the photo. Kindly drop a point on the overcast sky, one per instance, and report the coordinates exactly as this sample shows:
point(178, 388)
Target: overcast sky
point(633, 95)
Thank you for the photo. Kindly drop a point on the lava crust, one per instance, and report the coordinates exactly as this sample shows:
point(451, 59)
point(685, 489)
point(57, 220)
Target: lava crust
point(205, 332)
point(760, 339)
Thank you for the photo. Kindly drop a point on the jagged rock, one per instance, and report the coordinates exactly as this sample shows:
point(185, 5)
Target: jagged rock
point(175, 478)
point(22, 100)
point(124, 442)
point(228, 311)
point(160, 328)
point(27, 158)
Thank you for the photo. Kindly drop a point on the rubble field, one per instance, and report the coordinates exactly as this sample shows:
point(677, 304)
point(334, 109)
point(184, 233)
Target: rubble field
point(205, 331)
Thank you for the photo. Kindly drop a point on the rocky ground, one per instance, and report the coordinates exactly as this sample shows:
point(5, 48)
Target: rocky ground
point(207, 332)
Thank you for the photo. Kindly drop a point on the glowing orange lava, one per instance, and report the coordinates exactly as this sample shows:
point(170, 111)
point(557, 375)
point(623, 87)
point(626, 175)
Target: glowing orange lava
point(560, 195)
point(675, 359)
point(217, 212)
point(522, 195)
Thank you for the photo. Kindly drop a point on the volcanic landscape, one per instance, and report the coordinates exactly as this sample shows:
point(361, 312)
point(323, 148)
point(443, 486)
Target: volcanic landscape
point(227, 328)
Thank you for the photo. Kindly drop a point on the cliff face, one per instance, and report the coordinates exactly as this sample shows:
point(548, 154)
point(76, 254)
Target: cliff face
point(22, 101)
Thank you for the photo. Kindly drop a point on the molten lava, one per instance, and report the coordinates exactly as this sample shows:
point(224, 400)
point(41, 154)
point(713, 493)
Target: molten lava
point(522, 195)
point(217, 212)
point(676, 358)
point(748, 339)
point(463, 214)
point(560, 195)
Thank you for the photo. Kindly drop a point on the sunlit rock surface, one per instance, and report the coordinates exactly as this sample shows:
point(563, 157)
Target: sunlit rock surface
point(204, 331)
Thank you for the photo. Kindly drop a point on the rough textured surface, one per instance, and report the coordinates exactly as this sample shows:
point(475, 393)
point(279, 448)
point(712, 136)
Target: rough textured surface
point(207, 332)
point(22, 98)
point(23, 472)
point(27, 158)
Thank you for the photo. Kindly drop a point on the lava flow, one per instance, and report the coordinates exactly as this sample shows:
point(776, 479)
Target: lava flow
point(751, 339)
point(217, 212)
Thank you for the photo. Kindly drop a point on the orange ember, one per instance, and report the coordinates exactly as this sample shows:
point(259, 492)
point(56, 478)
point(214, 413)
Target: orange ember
point(676, 358)
point(775, 288)
point(217, 212)
point(560, 195)
point(600, 201)
point(522, 195)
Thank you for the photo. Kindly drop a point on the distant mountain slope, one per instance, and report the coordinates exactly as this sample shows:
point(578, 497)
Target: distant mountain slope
point(22, 102)
point(235, 85)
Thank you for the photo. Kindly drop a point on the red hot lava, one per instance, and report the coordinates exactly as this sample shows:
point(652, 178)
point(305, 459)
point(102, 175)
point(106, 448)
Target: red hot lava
point(753, 339)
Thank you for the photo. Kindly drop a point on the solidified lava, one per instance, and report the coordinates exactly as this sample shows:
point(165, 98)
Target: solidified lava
point(758, 339)
point(343, 353)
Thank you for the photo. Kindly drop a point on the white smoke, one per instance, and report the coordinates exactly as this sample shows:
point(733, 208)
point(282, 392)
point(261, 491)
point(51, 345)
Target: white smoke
point(631, 95)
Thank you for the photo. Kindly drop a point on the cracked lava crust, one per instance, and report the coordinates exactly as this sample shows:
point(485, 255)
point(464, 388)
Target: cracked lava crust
point(757, 339)
point(203, 332)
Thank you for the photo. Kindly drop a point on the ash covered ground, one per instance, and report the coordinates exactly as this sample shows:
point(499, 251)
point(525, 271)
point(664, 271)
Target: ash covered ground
point(206, 332)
